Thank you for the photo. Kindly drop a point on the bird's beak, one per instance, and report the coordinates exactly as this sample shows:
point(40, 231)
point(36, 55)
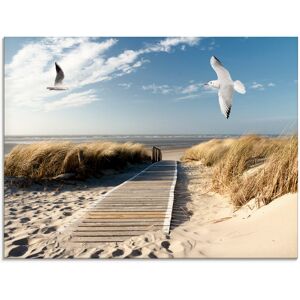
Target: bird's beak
point(204, 84)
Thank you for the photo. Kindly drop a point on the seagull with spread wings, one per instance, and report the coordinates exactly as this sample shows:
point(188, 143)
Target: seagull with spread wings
point(58, 80)
point(225, 85)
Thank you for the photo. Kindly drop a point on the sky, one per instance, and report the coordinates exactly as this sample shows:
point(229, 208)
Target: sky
point(148, 85)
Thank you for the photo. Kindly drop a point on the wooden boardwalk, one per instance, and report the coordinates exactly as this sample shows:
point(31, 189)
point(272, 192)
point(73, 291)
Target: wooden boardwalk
point(138, 205)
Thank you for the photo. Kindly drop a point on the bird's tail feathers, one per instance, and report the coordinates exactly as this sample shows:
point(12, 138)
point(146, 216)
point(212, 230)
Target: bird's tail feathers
point(239, 87)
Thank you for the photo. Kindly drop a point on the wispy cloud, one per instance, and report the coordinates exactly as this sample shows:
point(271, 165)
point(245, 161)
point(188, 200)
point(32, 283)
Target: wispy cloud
point(158, 89)
point(125, 85)
point(257, 86)
point(261, 86)
point(85, 61)
point(189, 91)
point(192, 88)
point(167, 44)
point(187, 97)
point(72, 100)
point(210, 46)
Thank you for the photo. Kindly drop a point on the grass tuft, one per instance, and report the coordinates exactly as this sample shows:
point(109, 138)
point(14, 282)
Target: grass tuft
point(46, 160)
point(250, 166)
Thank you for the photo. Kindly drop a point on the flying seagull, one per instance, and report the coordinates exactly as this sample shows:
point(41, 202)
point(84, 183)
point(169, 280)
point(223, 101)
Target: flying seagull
point(225, 85)
point(58, 80)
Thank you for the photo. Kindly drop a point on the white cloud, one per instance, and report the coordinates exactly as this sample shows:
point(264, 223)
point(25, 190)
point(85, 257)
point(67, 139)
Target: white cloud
point(192, 88)
point(72, 100)
point(84, 61)
point(167, 89)
point(167, 44)
point(190, 96)
point(260, 86)
point(157, 89)
point(125, 85)
point(257, 86)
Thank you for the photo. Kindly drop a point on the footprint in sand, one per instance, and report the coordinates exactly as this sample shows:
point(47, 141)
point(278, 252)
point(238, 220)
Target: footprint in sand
point(26, 207)
point(117, 253)
point(24, 220)
point(166, 245)
point(152, 255)
point(18, 251)
point(96, 254)
point(67, 213)
point(20, 242)
point(50, 229)
point(135, 253)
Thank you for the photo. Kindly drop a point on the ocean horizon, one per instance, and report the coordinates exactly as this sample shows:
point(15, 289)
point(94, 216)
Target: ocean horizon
point(163, 141)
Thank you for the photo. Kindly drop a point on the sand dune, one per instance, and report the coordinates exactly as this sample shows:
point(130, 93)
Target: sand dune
point(212, 227)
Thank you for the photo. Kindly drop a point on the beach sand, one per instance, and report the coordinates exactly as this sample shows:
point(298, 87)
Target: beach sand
point(212, 227)
point(34, 214)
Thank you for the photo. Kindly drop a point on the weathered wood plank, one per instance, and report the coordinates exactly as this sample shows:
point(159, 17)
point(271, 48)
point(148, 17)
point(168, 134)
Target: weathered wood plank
point(132, 216)
point(108, 233)
point(120, 221)
point(116, 228)
point(97, 240)
point(132, 209)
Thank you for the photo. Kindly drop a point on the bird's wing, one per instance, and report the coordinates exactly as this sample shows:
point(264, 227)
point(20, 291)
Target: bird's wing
point(222, 73)
point(59, 75)
point(225, 100)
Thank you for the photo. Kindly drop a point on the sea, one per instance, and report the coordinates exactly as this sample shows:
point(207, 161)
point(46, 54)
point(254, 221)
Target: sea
point(165, 142)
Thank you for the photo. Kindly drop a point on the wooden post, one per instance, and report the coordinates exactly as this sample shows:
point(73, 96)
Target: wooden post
point(156, 154)
point(153, 160)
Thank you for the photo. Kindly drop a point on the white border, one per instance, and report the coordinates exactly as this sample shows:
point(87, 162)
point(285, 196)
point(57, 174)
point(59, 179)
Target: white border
point(172, 279)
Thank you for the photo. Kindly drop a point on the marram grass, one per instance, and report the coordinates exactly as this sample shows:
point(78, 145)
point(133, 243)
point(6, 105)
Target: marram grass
point(46, 160)
point(250, 166)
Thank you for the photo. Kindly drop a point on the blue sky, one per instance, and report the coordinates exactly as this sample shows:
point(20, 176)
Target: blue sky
point(148, 85)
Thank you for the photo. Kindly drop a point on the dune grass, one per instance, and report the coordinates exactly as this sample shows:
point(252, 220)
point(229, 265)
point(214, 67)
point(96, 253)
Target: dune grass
point(209, 153)
point(46, 160)
point(250, 167)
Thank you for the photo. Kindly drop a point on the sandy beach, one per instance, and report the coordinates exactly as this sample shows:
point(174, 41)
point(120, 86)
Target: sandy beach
point(35, 213)
point(36, 216)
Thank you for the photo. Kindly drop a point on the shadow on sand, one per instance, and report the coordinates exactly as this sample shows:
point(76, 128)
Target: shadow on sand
point(182, 196)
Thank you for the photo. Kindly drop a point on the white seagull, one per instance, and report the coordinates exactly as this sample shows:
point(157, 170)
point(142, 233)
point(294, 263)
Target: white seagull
point(58, 80)
point(225, 85)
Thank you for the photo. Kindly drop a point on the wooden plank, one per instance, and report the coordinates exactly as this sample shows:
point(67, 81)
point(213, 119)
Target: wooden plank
point(131, 209)
point(131, 217)
point(108, 233)
point(126, 217)
point(127, 213)
point(128, 221)
point(135, 204)
point(103, 239)
point(116, 228)
point(136, 201)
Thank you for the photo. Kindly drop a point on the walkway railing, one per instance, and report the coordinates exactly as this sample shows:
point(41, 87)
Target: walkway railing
point(156, 154)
